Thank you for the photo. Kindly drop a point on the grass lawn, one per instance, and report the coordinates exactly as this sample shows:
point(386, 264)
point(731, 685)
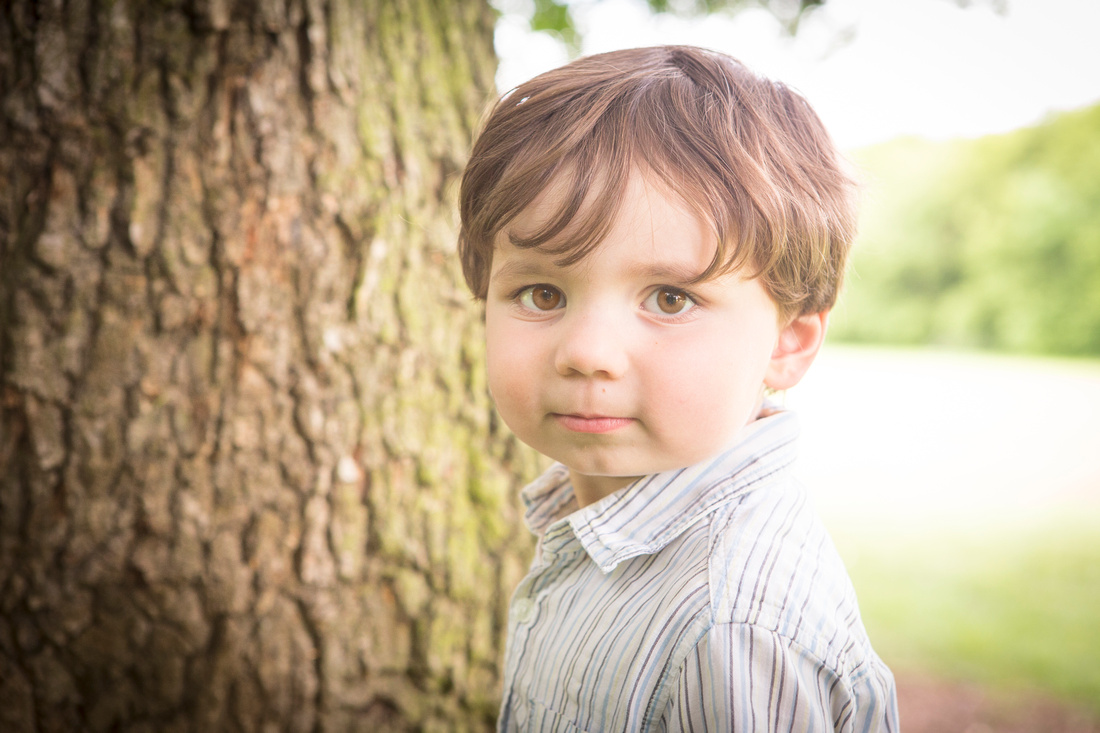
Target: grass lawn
point(1014, 608)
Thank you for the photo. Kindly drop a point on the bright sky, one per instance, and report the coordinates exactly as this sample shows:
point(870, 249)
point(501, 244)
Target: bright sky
point(873, 69)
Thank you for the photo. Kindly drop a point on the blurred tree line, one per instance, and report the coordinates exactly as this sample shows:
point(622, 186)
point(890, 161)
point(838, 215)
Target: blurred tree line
point(989, 243)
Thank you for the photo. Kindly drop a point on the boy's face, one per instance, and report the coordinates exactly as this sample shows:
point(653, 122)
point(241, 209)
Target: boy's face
point(617, 366)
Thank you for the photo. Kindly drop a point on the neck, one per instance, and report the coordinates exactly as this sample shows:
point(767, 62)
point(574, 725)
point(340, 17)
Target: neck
point(590, 489)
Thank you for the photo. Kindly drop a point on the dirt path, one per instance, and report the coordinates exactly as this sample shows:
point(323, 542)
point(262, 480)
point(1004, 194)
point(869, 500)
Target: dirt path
point(935, 706)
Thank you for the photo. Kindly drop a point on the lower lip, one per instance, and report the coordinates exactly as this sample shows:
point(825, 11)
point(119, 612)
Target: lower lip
point(592, 424)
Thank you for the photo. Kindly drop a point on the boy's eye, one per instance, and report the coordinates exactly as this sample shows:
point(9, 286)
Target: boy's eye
point(542, 298)
point(670, 301)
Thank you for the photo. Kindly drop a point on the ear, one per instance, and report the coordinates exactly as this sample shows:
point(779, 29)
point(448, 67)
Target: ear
point(795, 350)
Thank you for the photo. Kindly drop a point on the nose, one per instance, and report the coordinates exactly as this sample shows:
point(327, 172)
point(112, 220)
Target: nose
point(592, 345)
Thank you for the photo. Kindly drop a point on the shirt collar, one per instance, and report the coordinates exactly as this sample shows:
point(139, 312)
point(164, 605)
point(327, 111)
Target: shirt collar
point(645, 516)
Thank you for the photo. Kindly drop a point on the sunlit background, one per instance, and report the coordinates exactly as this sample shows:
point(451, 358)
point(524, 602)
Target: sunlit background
point(873, 69)
point(952, 423)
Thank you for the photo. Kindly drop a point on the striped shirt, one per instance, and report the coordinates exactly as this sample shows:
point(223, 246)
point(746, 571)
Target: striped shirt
point(703, 599)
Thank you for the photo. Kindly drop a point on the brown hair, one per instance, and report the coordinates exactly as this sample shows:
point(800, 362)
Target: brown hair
point(747, 154)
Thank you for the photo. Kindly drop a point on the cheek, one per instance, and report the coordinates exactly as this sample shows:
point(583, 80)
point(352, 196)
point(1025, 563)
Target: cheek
point(683, 389)
point(511, 365)
point(707, 391)
point(690, 371)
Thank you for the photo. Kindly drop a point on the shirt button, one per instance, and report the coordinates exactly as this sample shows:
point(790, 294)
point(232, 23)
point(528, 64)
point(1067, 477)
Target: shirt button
point(524, 610)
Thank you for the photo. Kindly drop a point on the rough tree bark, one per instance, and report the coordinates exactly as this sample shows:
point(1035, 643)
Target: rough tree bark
point(249, 473)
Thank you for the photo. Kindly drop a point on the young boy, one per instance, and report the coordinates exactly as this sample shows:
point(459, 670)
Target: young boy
point(658, 235)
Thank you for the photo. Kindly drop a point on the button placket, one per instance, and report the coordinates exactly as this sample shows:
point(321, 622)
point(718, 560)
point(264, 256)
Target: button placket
point(555, 547)
point(523, 606)
point(524, 610)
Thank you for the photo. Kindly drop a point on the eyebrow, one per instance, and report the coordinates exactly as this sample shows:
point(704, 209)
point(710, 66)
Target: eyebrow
point(672, 272)
point(525, 267)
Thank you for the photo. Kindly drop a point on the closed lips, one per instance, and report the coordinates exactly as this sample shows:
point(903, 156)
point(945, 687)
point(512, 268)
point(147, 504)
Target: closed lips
point(592, 423)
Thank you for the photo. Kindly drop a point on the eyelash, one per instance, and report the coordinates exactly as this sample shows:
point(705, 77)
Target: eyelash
point(673, 317)
point(517, 295)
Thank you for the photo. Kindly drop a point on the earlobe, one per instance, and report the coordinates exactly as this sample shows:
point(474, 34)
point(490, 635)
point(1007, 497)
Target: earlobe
point(798, 344)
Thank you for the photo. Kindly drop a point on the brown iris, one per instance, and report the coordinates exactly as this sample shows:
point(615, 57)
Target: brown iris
point(545, 298)
point(671, 301)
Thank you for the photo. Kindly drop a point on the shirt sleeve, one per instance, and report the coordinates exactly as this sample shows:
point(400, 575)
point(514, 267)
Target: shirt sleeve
point(747, 679)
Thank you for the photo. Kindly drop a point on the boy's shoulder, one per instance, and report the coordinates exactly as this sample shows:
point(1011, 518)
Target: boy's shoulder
point(773, 565)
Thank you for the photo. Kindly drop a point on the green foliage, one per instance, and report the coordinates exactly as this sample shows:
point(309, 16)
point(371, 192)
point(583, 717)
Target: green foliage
point(788, 13)
point(553, 16)
point(988, 243)
point(556, 18)
point(1013, 607)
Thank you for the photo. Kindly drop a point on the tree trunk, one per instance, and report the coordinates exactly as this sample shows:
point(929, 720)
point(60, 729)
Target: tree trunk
point(249, 473)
